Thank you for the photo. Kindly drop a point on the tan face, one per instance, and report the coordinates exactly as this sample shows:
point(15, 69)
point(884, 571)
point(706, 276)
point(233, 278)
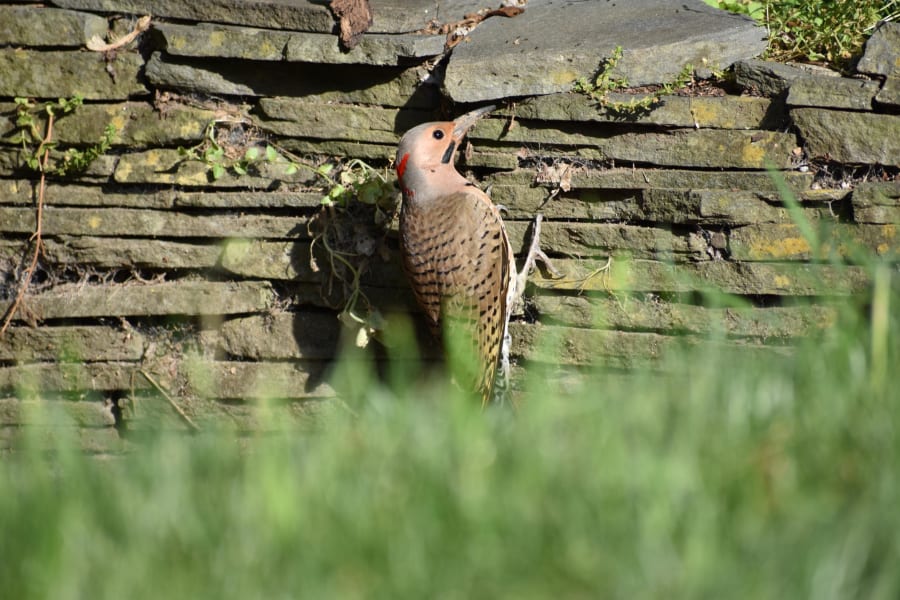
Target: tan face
point(428, 146)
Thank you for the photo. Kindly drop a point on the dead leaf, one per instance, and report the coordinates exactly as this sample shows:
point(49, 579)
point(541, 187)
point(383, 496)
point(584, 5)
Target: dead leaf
point(355, 19)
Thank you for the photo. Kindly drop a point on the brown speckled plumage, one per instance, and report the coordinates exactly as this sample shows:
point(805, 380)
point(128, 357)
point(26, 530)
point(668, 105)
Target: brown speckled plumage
point(455, 249)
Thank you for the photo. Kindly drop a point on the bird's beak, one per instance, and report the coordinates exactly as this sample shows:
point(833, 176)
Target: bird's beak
point(465, 122)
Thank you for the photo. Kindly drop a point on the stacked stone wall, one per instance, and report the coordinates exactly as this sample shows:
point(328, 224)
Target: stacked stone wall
point(166, 297)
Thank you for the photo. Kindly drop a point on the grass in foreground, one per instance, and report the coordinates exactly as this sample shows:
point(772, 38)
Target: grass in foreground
point(732, 478)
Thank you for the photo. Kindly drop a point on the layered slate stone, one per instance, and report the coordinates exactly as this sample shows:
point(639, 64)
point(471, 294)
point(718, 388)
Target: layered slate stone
point(386, 86)
point(390, 16)
point(833, 92)
point(553, 43)
point(880, 58)
point(59, 74)
point(25, 26)
point(210, 40)
point(765, 77)
point(849, 137)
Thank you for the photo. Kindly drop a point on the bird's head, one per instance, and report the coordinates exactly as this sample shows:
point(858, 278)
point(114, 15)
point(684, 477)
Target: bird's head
point(429, 150)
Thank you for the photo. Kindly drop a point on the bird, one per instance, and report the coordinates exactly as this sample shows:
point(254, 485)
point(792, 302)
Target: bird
point(456, 252)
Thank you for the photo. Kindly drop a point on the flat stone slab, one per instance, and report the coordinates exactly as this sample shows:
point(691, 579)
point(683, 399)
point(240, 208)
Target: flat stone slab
point(849, 137)
point(60, 74)
point(766, 77)
point(889, 94)
point(12, 164)
point(76, 343)
point(389, 16)
point(833, 92)
point(627, 313)
point(224, 41)
point(338, 121)
point(300, 335)
point(301, 15)
point(123, 253)
point(703, 148)
point(785, 241)
point(384, 86)
point(55, 413)
point(618, 349)
point(548, 47)
point(726, 112)
point(170, 298)
point(108, 222)
point(23, 26)
point(168, 167)
point(88, 440)
point(881, 51)
point(643, 179)
point(137, 124)
point(876, 203)
point(748, 278)
point(71, 377)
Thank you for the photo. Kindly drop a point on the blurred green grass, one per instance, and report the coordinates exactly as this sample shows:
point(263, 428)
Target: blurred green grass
point(718, 476)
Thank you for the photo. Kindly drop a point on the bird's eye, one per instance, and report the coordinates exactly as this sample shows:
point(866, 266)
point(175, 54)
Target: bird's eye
point(438, 134)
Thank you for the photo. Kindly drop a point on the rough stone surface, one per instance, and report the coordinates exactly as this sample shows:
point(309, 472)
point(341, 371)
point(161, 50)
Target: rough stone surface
point(338, 121)
point(171, 298)
point(300, 335)
point(249, 381)
point(549, 46)
point(70, 377)
point(726, 112)
point(169, 167)
point(766, 78)
point(80, 343)
point(642, 179)
point(12, 164)
point(25, 26)
point(373, 49)
point(149, 223)
point(785, 241)
point(388, 86)
point(876, 203)
point(56, 413)
point(832, 92)
point(768, 279)
point(118, 253)
point(881, 51)
point(849, 137)
point(669, 317)
point(137, 124)
point(889, 94)
point(91, 440)
point(681, 148)
point(301, 15)
point(59, 74)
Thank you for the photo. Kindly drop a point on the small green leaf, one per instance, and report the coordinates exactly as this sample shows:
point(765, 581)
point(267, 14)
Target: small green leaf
point(291, 169)
point(272, 154)
point(217, 171)
point(336, 192)
point(252, 153)
point(239, 168)
point(324, 169)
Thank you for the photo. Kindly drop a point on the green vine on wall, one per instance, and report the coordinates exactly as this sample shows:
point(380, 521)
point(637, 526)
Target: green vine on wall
point(36, 149)
point(604, 83)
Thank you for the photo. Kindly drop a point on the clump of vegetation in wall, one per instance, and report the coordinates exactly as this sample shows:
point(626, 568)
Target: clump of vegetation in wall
point(815, 30)
point(34, 144)
point(36, 148)
point(605, 82)
point(357, 207)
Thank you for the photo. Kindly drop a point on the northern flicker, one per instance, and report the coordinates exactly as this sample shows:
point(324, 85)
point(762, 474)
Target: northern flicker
point(455, 250)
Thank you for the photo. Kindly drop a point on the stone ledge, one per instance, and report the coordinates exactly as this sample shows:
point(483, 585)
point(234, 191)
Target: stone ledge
point(60, 74)
point(33, 26)
point(110, 222)
point(849, 137)
point(747, 279)
point(669, 317)
point(82, 343)
point(832, 92)
point(55, 413)
point(785, 241)
point(170, 298)
point(727, 112)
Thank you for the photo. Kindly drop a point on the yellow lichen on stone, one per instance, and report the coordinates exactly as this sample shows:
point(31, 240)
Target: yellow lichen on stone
point(752, 154)
point(563, 77)
point(216, 39)
point(95, 222)
point(782, 281)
